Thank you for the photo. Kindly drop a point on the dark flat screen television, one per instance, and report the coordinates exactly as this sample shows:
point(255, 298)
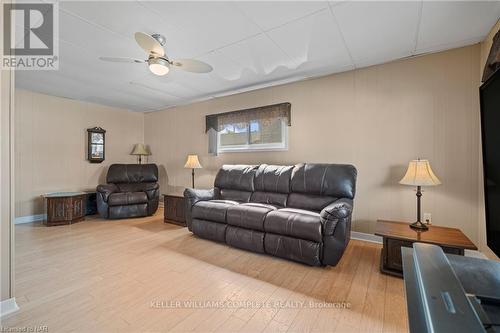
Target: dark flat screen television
point(490, 132)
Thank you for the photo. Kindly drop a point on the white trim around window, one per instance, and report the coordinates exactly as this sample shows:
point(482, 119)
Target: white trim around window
point(279, 146)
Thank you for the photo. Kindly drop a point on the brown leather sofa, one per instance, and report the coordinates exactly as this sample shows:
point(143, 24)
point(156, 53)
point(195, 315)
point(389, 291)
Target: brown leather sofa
point(301, 212)
point(132, 190)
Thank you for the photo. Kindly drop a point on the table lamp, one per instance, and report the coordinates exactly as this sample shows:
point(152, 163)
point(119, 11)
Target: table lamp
point(140, 150)
point(192, 163)
point(419, 174)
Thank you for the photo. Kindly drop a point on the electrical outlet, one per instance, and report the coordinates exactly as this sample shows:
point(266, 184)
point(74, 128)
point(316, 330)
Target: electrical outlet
point(427, 218)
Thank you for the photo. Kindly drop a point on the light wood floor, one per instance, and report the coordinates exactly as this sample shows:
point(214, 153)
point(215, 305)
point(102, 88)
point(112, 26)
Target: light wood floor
point(119, 276)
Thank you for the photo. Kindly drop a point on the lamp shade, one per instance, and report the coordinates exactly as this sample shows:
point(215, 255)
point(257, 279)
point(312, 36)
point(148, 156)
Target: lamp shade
point(419, 173)
point(192, 162)
point(140, 149)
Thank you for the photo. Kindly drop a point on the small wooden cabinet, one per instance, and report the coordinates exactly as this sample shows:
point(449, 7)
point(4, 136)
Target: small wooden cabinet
point(64, 207)
point(396, 235)
point(174, 208)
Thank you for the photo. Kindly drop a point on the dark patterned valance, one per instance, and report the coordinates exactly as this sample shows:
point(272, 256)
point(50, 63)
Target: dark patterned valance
point(269, 112)
point(493, 62)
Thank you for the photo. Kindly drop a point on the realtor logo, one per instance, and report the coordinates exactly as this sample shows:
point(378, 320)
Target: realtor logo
point(30, 38)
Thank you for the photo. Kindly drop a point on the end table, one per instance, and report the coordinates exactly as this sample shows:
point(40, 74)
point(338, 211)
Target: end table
point(64, 207)
point(396, 234)
point(174, 208)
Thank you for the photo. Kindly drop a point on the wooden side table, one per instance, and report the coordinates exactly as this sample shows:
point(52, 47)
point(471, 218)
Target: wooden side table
point(174, 208)
point(64, 207)
point(398, 234)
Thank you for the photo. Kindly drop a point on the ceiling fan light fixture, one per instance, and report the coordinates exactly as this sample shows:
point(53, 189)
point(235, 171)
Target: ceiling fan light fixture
point(159, 66)
point(159, 63)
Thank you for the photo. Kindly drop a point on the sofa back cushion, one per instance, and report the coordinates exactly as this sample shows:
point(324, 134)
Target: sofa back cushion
point(132, 173)
point(235, 182)
point(306, 186)
point(315, 186)
point(272, 184)
point(334, 180)
point(234, 195)
point(309, 201)
point(273, 178)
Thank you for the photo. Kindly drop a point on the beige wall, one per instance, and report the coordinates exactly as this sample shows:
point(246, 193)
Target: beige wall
point(485, 50)
point(51, 143)
point(376, 118)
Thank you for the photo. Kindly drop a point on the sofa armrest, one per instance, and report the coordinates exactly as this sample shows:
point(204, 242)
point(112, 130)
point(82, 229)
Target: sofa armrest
point(338, 210)
point(106, 190)
point(192, 196)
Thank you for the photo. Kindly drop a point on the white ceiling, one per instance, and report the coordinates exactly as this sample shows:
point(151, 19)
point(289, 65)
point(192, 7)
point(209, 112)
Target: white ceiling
point(249, 44)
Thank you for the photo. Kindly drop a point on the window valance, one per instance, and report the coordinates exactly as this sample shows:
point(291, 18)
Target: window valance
point(263, 113)
point(493, 61)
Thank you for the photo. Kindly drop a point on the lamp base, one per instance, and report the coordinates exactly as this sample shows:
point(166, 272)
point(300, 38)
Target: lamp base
point(192, 176)
point(419, 226)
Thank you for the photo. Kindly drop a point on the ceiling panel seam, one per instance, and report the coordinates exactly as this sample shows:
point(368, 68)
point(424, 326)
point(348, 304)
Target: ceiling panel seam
point(92, 23)
point(417, 33)
point(335, 21)
point(263, 32)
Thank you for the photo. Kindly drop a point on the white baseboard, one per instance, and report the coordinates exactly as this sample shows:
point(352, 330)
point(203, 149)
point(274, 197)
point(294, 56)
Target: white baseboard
point(366, 237)
point(8, 307)
point(29, 218)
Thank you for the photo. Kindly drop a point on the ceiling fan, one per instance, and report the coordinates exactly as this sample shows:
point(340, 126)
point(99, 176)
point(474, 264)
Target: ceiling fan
point(157, 60)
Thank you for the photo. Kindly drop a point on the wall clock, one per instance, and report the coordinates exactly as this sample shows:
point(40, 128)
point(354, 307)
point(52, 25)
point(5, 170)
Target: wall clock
point(96, 144)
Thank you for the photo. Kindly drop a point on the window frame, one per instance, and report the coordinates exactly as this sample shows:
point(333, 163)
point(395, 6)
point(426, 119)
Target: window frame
point(256, 147)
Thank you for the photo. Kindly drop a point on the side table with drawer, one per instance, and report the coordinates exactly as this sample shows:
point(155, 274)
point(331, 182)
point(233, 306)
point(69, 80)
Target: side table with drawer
point(399, 234)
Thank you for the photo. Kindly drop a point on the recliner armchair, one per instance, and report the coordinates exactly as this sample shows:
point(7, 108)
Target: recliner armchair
point(132, 190)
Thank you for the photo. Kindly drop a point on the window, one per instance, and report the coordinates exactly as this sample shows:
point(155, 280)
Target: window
point(268, 134)
point(259, 128)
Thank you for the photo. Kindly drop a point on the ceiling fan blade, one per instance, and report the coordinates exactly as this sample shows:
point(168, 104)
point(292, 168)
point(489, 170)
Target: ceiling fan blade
point(117, 59)
point(149, 44)
point(192, 65)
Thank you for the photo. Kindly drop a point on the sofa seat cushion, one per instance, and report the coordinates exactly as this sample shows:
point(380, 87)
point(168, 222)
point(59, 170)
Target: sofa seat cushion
point(209, 230)
point(295, 249)
point(127, 198)
point(293, 222)
point(212, 210)
point(249, 215)
point(245, 239)
point(270, 198)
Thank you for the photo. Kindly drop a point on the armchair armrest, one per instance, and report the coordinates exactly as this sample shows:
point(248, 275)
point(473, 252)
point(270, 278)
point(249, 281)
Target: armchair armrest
point(106, 190)
point(333, 213)
point(152, 190)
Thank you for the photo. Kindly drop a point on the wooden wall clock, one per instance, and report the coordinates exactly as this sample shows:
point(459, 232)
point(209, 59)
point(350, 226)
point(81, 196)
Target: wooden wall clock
point(96, 144)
